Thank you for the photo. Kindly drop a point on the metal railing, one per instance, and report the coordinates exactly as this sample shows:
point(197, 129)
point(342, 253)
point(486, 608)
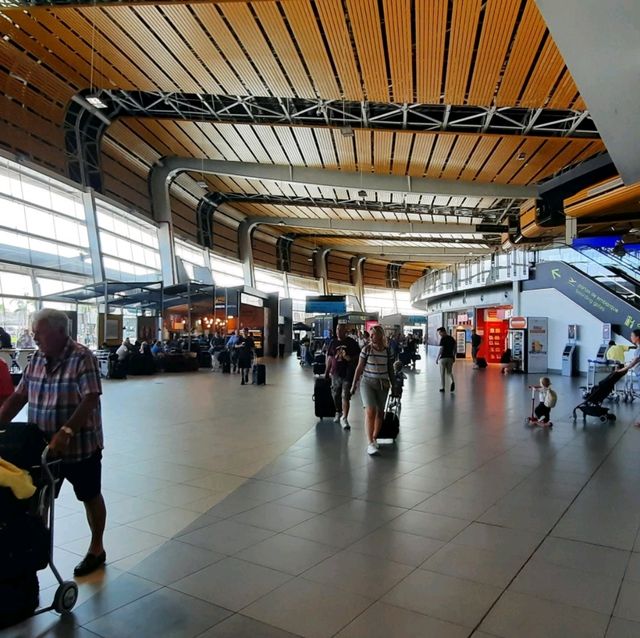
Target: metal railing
point(498, 268)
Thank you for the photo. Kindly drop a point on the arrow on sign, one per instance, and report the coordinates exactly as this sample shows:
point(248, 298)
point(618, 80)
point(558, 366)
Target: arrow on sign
point(572, 281)
point(555, 273)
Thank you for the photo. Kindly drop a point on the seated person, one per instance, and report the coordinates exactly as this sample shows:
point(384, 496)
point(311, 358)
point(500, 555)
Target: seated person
point(507, 363)
point(548, 399)
point(123, 351)
point(157, 349)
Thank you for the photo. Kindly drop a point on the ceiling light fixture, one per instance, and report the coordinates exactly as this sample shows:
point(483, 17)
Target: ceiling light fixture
point(201, 184)
point(346, 131)
point(521, 157)
point(96, 101)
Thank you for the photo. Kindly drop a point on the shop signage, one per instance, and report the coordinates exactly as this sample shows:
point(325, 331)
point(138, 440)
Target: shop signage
point(518, 323)
point(586, 293)
point(538, 339)
point(250, 300)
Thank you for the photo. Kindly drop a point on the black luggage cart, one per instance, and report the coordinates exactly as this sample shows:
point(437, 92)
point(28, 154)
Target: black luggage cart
point(17, 442)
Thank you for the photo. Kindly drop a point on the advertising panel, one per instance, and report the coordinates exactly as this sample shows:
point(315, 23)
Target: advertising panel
point(538, 343)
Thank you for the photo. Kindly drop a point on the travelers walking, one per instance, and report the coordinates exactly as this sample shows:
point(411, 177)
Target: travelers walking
point(245, 348)
point(476, 340)
point(446, 357)
point(342, 361)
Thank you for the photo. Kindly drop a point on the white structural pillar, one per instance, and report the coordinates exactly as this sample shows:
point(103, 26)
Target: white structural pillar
point(97, 267)
point(245, 250)
point(570, 229)
point(320, 267)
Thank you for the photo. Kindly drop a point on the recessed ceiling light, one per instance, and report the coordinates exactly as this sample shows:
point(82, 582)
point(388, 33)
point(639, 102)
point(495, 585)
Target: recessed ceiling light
point(346, 131)
point(201, 184)
point(522, 157)
point(94, 100)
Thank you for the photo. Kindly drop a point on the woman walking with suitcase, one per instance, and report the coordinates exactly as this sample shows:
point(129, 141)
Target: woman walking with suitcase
point(376, 369)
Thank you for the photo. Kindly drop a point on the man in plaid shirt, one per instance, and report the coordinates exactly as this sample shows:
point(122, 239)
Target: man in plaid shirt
point(62, 387)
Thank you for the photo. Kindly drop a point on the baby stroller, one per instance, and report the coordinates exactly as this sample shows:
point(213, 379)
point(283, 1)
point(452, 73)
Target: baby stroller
point(26, 528)
point(592, 405)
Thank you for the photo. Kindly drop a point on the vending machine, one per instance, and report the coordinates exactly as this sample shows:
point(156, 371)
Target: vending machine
point(517, 342)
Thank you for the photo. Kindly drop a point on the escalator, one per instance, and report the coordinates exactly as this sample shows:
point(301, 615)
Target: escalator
point(600, 300)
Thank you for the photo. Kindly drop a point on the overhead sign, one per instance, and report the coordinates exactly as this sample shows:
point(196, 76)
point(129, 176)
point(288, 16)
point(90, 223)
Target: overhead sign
point(587, 293)
point(518, 323)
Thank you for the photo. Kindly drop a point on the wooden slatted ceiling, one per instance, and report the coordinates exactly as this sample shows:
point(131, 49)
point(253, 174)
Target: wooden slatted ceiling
point(464, 24)
point(499, 19)
point(431, 25)
point(304, 48)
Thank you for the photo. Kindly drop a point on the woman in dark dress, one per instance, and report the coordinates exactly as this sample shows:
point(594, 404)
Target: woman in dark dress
point(245, 348)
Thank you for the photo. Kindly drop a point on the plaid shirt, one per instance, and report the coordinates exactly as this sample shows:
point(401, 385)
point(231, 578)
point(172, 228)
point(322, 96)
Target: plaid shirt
point(54, 392)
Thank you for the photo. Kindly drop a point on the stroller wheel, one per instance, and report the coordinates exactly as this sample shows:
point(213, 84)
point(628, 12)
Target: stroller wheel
point(603, 418)
point(65, 597)
point(611, 417)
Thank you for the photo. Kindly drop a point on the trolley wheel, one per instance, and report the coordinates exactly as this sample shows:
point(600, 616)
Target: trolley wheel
point(611, 417)
point(603, 418)
point(65, 597)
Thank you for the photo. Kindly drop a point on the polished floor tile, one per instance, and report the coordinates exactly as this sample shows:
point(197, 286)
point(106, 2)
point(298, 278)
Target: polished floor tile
point(462, 602)
point(231, 583)
point(236, 499)
point(382, 620)
point(526, 616)
point(308, 609)
point(162, 614)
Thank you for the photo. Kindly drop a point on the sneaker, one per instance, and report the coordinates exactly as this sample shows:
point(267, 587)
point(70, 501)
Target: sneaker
point(542, 420)
point(372, 450)
point(441, 389)
point(453, 387)
point(242, 382)
point(344, 422)
point(336, 418)
point(376, 444)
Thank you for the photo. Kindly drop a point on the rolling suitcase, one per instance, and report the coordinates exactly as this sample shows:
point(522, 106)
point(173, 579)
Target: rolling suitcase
point(481, 362)
point(319, 368)
point(323, 399)
point(405, 358)
point(259, 374)
point(391, 421)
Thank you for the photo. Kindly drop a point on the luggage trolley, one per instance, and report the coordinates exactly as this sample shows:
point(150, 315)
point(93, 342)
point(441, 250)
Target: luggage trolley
point(21, 451)
point(66, 595)
point(631, 390)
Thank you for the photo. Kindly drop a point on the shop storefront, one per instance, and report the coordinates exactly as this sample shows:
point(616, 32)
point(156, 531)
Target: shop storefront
point(492, 324)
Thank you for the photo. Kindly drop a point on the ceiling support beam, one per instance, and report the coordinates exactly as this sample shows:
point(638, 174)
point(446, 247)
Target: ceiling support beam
point(379, 227)
point(168, 168)
point(424, 253)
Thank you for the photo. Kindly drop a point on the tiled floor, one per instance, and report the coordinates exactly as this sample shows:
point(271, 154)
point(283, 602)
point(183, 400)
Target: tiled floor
point(232, 513)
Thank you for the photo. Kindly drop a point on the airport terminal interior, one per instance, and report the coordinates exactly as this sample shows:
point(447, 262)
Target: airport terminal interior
point(455, 180)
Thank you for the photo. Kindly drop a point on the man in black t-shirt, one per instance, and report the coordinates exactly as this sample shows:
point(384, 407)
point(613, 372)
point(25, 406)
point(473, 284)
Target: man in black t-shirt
point(446, 357)
point(342, 361)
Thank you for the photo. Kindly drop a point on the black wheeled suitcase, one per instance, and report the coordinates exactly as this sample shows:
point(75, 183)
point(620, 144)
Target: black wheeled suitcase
point(319, 368)
point(259, 374)
point(391, 421)
point(481, 362)
point(405, 358)
point(323, 399)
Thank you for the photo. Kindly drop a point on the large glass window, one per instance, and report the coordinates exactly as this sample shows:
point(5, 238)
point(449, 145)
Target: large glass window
point(380, 300)
point(269, 281)
point(42, 222)
point(226, 272)
point(129, 245)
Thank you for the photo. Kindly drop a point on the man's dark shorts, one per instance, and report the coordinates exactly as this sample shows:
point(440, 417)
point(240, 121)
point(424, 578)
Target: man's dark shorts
point(85, 476)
